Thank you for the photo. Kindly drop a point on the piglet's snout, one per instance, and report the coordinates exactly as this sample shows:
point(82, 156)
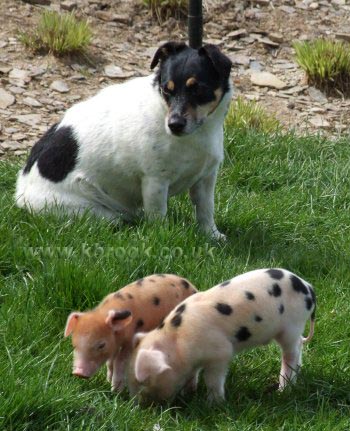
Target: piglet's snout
point(79, 372)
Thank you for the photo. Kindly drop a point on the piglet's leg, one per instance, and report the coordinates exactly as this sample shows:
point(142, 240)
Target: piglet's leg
point(109, 370)
point(119, 364)
point(214, 377)
point(291, 361)
point(191, 385)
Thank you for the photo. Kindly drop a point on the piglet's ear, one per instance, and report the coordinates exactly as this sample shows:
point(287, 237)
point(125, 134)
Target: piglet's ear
point(166, 50)
point(137, 338)
point(118, 319)
point(71, 323)
point(221, 63)
point(149, 363)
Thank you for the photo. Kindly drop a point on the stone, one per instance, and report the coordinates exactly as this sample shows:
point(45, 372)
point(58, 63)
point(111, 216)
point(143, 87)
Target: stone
point(255, 65)
point(111, 17)
point(317, 95)
point(267, 79)
point(30, 101)
point(240, 59)
point(16, 90)
point(6, 99)
point(11, 145)
point(59, 86)
point(287, 9)
point(319, 122)
point(36, 71)
point(19, 77)
point(5, 68)
point(113, 71)
point(237, 33)
point(276, 37)
point(40, 2)
point(267, 41)
point(314, 6)
point(343, 36)
point(29, 119)
point(68, 5)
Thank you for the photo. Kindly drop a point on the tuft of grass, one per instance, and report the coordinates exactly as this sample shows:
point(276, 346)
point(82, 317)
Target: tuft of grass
point(249, 115)
point(326, 63)
point(58, 34)
point(164, 9)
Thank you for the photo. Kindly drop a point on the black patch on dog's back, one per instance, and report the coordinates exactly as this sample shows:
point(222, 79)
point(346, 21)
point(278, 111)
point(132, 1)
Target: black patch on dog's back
point(55, 152)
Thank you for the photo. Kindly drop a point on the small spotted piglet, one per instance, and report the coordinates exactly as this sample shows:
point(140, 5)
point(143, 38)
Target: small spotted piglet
point(208, 328)
point(105, 333)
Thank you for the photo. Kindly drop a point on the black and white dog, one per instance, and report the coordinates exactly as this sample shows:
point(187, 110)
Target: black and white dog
point(134, 144)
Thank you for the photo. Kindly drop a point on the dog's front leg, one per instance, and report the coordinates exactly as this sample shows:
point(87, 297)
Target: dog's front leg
point(155, 197)
point(202, 197)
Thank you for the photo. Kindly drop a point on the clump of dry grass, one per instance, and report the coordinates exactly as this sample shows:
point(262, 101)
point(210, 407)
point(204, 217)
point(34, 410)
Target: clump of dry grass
point(326, 63)
point(58, 34)
point(164, 9)
point(249, 115)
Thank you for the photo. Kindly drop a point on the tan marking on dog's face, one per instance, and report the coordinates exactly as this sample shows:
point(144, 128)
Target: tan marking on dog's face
point(191, 81)
point(170, 85)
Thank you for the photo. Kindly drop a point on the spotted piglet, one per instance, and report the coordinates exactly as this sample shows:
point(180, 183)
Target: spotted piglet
point(105, 333)
point(208, 328)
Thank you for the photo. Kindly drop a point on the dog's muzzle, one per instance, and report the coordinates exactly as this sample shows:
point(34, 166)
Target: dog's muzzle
point(177, 124)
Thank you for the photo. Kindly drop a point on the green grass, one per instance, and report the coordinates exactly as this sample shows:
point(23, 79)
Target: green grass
point(164, 9)
point(58, 34)
point(282, 200)
point(246, 115)
point(326, 63)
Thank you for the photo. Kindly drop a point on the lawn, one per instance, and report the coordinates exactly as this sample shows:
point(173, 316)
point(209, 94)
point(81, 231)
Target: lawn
point(283, 201)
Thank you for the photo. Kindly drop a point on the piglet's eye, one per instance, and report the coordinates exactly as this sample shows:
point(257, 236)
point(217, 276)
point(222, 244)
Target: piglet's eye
point(100, 346)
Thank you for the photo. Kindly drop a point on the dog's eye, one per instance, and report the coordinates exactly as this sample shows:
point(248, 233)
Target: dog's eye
point(165, 91)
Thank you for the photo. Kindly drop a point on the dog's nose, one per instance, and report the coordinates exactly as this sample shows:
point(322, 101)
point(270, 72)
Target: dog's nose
point(176, 124)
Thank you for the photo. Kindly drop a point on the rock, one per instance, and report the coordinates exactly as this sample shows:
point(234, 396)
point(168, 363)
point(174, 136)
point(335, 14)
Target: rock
point(276, 37)
point(255, 65)
point(111, 17)
point(36, 71)
point(317, 95)
point(267, 41)
point(41, 2)
point(59, 86)
point(240, 59)
point(16, 90)
point(287, 9)
point(262, 2)
point(320, 122)
point(3, 44)
point(343, 36)
point(11, 145)
point(314, 6)
point(267, 79)
point(19, 77)
point(29, 101)
point(5, 68)
point(68, 5)
point(29, 119)
point(6, 99)
point(237, 33)
point(113, 71)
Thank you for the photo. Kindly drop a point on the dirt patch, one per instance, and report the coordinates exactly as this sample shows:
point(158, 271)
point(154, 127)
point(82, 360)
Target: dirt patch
point(36, 90)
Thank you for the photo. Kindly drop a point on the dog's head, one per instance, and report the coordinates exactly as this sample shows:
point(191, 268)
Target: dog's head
point(192, 82)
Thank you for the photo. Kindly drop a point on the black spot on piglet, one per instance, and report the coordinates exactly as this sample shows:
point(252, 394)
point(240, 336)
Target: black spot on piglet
point(156, 300)
point(275, 290)
point(225, 283)
point(180, 309)
point(250, 296)
point(224, 308)
point(139, 323)
point(258, 318)
point(277, 274)
point(243, 334)
point(308, 302)
point(281, 308)
point(176, 320)
point(298, 285)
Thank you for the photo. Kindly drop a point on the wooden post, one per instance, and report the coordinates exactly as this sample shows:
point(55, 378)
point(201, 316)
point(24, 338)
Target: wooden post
point(195, 23)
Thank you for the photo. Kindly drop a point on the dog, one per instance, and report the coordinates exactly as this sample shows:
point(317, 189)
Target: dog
point(134, 144)
point(208, 328)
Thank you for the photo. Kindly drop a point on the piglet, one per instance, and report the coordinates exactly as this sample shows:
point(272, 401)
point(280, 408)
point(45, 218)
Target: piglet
point(208, 328)
point(105, 333)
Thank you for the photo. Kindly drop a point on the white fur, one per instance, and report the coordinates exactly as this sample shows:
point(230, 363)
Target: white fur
point(127, 158)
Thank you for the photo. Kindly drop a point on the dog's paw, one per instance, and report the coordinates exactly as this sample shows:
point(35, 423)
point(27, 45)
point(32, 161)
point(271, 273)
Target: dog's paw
point(218, 236)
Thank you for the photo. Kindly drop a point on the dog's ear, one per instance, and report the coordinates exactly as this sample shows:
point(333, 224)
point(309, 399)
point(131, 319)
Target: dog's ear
point(166, 50)
point(221, 63)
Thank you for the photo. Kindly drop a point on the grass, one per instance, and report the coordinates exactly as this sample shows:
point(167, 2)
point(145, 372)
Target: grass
point(164, 9)
point(248, 115)
point(282, 200)
point(326, 63)
point(58, 34)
